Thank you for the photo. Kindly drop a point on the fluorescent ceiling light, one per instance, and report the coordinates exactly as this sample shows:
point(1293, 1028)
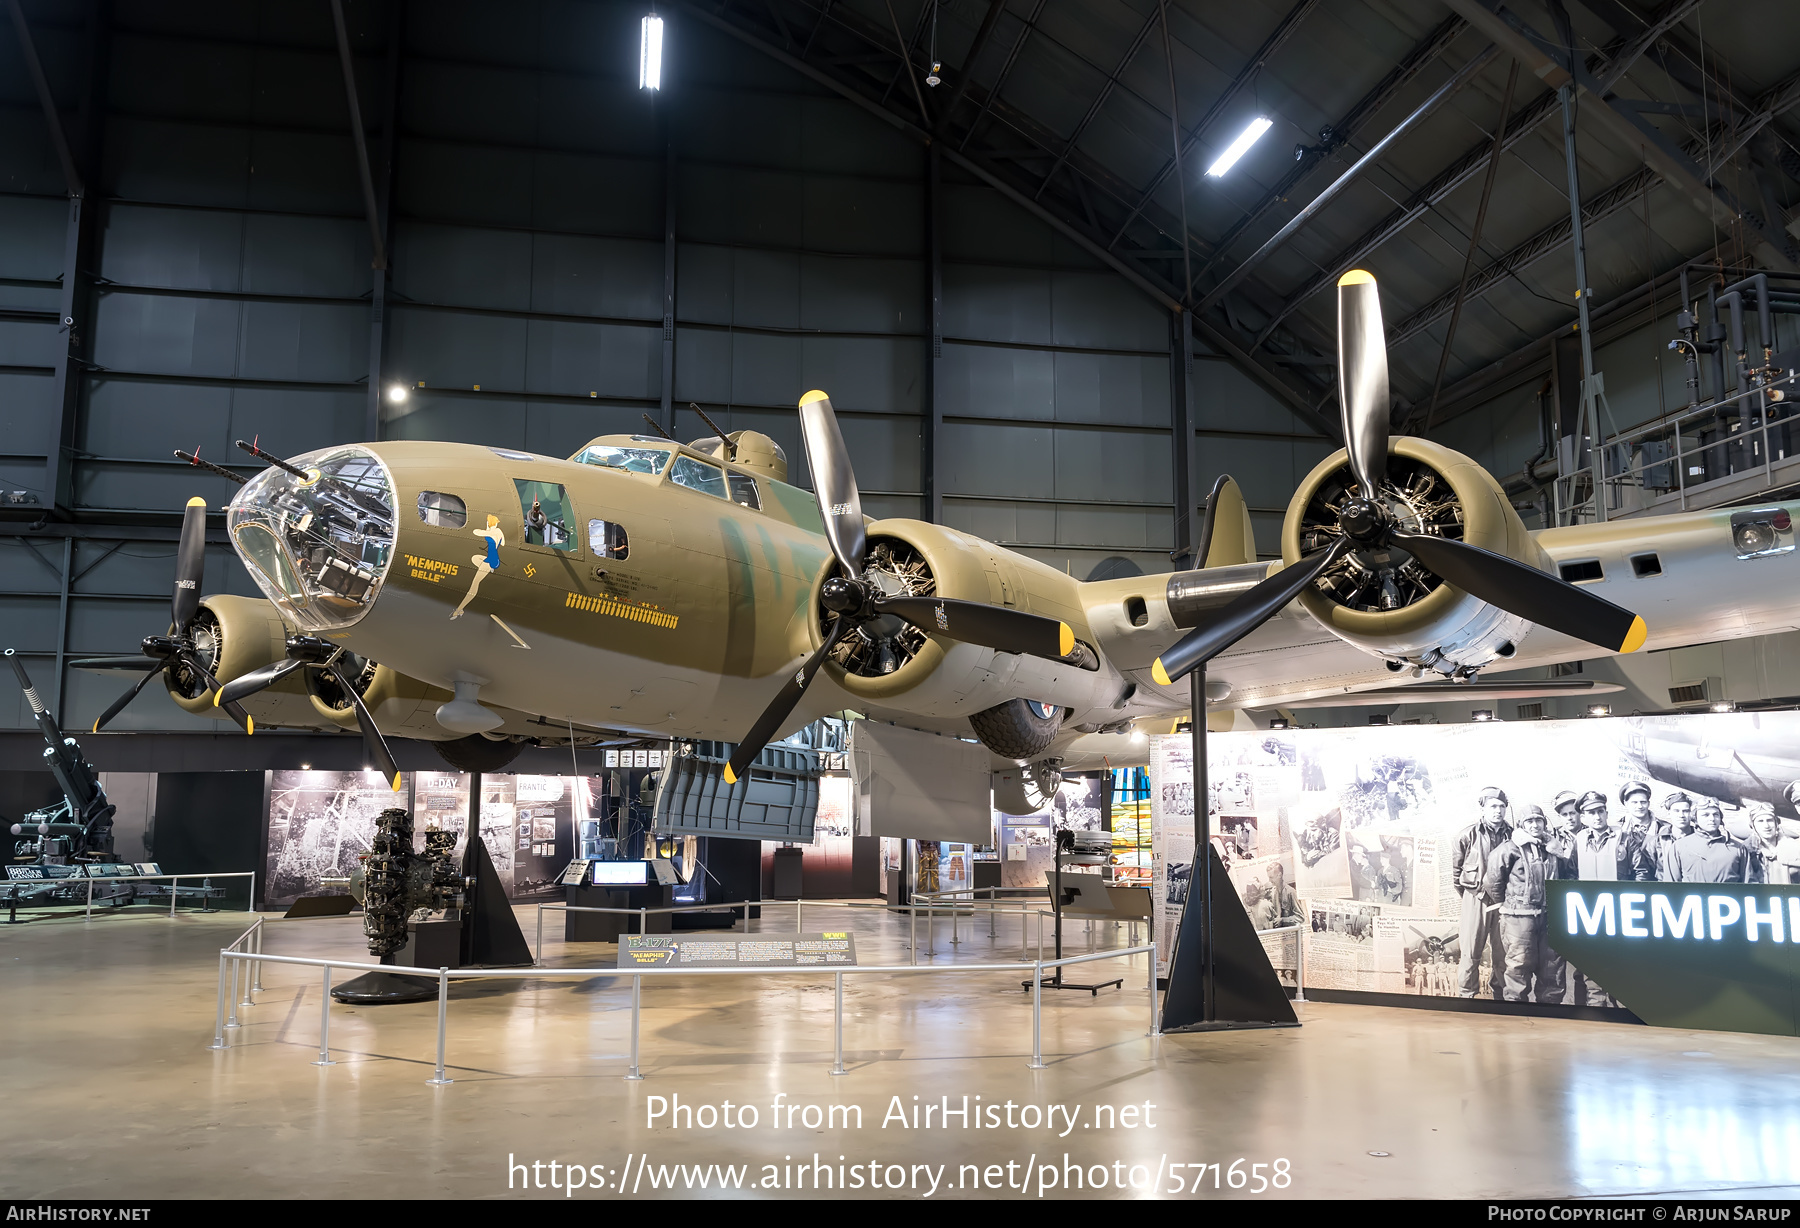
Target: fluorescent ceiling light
point(650, 53)
point(1240, 147)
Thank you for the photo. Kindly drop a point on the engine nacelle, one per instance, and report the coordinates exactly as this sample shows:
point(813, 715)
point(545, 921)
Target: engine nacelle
point(889, 658)
point(1383, 601)
point(234, 636)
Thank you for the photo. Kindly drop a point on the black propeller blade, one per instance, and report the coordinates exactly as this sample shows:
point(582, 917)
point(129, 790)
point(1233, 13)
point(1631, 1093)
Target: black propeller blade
point(840, 503)
point(854, 600)
point(1366, 523)
point(1517, 588)
point(769, 723)
point(165, 652)
point(1244, 614)
point(991, 626)
point(310, 652)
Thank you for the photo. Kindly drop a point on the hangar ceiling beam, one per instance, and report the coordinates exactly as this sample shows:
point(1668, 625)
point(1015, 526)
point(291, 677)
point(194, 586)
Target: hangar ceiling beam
point(384, 273)
point(1265, 376)
point(35, 69)
point(1376, 152)
point(1100, 98)
point(1226, 97)
point(1012, 57)
point(1608, 201)
point(988, 21)
point(1345, 130)
point(1627, 126)
point(365, 175)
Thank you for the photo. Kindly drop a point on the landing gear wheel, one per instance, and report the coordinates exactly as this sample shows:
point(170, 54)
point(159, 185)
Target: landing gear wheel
point(476, 753)
point(1018, 728)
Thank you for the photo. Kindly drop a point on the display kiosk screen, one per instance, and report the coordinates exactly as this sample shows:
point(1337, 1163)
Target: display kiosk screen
point(620, 873)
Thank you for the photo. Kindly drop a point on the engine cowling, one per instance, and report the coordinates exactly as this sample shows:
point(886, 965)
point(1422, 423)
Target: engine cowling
point(235, 635)
point(1383, 601)
point(888, 658)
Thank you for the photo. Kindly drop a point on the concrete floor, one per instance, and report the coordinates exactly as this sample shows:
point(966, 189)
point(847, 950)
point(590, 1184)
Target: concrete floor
point(114, 1093)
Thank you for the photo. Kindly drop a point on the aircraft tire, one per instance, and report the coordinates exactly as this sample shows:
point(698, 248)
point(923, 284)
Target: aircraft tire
point(1014, 730)
point(478, 754)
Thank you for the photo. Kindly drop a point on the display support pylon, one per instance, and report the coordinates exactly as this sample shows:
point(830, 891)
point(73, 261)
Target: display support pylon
point(1057, 982)
point(1249, 995)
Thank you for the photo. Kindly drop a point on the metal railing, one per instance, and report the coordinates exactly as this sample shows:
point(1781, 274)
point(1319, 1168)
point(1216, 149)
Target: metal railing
point(1676, 455)
point(235, 955)
point(52, 884)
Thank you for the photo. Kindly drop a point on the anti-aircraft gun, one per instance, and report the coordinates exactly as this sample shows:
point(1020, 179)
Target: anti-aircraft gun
point(78, 828)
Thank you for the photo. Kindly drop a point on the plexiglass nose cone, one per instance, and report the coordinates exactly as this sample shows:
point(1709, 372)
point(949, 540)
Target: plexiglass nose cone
point(318, 546)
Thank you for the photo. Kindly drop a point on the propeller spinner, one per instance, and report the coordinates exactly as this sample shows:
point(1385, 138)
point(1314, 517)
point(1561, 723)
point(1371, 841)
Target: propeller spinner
point(1363, 523)
point(852, 600)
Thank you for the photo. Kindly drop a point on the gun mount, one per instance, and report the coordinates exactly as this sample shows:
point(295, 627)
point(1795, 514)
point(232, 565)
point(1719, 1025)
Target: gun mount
point(78, 828)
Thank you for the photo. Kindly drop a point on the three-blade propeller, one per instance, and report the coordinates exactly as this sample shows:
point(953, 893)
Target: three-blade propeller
point(177, 649)
point(310, 652)
point(853, 600)
point(1366, 524)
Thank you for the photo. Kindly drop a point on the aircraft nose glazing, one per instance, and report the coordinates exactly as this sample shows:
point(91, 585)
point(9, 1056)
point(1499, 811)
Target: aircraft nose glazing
point(318, 545)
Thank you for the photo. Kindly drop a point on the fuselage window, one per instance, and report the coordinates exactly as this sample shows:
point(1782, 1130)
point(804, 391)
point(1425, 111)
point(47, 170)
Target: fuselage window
point(606, 538)
point(548, 521)
point(697, 475)
point(743, 490)
point(442, 511)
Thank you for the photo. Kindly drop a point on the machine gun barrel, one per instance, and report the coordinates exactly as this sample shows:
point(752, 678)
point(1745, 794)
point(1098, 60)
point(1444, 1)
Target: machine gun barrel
point(46, 723)
point(26, 828)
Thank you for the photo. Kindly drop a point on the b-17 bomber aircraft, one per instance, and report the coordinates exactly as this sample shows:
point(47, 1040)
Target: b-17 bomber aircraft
point(482, 598)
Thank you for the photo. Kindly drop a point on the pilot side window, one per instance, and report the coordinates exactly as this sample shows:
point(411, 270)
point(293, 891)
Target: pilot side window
point(743, 490)
point(548, 520)
point(606, 538)
point(442, 511)
point(697, 475)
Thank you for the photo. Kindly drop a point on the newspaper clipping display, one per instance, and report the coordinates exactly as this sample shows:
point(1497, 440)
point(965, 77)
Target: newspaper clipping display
point(1412, 859)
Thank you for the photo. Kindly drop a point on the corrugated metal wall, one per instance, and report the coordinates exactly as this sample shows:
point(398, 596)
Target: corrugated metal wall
point(233, 289)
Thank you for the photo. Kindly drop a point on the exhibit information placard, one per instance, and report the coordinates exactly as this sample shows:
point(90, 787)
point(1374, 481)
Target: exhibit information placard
point(738, 951)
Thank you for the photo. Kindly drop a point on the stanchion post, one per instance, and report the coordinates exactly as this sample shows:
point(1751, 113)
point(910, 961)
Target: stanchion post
point(1299, 964)
point(799, 925)
point(325, 1023)
point(256, 971)
point(838, 1029)
point(244, 977)
point(443, 1017)
point(219, 1019)
point(1037, 1016)
point(90, 904)
point(1153, 1026)
point(643, 922)
point(232, 1021)
point(637, 1000)
point(537, 956)
point(912, 919)
point(250, 904)
point(174, 882)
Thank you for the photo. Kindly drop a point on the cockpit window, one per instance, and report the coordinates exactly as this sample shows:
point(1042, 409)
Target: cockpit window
point(548, 521)
point(698, 475)
point(633, 460)
point(442, 511)
point(743, 490)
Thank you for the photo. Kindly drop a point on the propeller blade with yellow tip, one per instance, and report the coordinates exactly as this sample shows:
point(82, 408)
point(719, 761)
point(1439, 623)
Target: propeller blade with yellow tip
point(992, 626)
point(376, 745)
point(782, 706)
point(1519, 588)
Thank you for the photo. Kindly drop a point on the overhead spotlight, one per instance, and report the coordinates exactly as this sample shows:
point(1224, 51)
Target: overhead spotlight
point(1279, 722)
point(934, 77)
point(1138, 737)
point(650, 40)
point(1378, 718)
point(1599, 710)
point(397, 393)
point(1482, 714)
point(306, 767)
point(1238, 148)
point(1724, 706)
